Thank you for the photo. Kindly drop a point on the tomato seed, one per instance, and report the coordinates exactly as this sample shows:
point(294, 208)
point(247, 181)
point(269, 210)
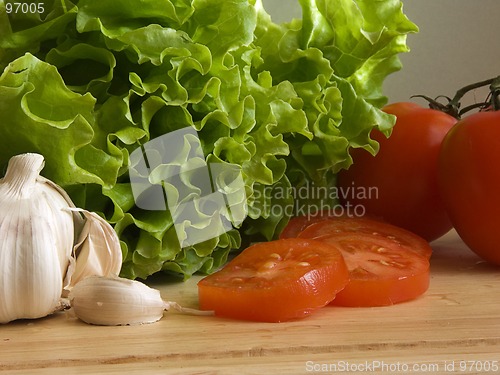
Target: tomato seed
point(400, 265)
point(268, 265)
point(275, 256)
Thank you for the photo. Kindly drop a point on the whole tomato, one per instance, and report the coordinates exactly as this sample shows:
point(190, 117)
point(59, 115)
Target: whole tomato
point(399, 184)
point(469, 179)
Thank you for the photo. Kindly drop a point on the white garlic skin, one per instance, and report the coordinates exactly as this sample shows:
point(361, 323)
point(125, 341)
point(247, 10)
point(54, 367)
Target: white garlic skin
point(36, 240)
point(114, 301)
point(97, 251)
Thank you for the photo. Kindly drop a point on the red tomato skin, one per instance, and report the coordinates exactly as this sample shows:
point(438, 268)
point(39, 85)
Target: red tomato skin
point(364, 293)
point(469, 179)
point(294, 294)
point(298, 223)
point(404, 172)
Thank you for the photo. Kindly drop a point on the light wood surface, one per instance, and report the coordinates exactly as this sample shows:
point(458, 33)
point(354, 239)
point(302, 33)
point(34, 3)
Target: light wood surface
point(454, 326)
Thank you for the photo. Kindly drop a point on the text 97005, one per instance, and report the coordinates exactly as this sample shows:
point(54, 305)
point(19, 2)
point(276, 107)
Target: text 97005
point(24, 8)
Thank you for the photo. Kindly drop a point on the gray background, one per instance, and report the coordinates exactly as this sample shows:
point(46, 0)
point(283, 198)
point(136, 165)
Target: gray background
point(458, 44)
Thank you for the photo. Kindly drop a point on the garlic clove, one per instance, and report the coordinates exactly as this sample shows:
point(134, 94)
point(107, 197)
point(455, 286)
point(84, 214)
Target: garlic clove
point(97, 251)
point(116, 301)
point(78, 220)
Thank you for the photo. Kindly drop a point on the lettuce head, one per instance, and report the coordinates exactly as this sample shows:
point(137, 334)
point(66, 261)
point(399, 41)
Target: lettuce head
point(88, 83)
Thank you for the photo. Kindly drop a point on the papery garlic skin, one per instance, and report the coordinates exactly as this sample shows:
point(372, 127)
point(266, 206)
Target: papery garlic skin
point(114, 301)
point(36, 240)
point(97, 251)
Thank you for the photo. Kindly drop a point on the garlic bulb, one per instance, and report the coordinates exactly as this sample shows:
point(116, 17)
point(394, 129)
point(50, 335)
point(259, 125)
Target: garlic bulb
point(36, 240)
point(97, 251)
point(115, 301)
point(38, 227)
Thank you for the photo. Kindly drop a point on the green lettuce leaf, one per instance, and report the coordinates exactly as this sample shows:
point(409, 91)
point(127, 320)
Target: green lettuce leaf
point(90, 82)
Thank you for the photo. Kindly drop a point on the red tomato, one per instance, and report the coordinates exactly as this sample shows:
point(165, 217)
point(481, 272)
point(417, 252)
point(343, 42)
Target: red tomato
point(469, 178)
point(399, 184)
point(275, 281)
point(385, 266)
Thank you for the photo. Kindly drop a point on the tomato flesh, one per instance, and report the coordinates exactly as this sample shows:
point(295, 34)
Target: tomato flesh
point(385, 267)
point(275, 281)
point(380, 276)
point(375, 229)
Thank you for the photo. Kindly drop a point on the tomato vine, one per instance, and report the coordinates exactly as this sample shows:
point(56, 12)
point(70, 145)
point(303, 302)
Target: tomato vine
point(452, 107)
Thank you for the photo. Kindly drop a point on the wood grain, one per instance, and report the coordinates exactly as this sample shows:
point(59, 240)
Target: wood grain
point(458, 319)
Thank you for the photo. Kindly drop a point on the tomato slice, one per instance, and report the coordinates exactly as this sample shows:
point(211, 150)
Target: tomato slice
point(387, 265)
point(298, 223)
point(275, 281)
point(341, 225)
point(380, 275)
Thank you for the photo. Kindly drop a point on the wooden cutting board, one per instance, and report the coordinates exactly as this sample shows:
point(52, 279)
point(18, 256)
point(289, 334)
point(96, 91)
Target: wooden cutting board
point(453, 328)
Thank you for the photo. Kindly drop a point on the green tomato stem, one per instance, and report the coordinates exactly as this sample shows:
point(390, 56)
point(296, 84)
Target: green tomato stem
point(453, 106)
point(495, 94)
